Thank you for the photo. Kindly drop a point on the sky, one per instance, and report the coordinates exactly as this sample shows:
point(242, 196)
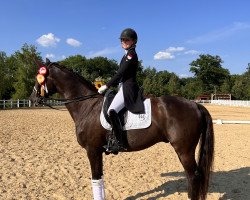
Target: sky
point(171, 34)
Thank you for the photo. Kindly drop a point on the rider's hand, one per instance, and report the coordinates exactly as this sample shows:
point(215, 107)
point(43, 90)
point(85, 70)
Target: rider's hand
point(102, 89)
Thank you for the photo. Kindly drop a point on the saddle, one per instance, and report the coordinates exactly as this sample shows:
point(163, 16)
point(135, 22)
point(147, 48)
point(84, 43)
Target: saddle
point(128, 120)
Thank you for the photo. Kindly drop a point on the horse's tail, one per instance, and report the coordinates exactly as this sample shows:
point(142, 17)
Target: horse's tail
point(206, 151)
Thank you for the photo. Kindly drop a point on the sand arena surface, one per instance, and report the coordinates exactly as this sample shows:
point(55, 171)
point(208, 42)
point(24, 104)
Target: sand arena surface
point(41, 159)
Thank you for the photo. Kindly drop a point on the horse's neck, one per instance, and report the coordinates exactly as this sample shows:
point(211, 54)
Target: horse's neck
point(82, 111)
point(71, 87)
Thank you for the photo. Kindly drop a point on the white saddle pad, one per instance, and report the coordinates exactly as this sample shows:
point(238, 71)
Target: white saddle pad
point(133, 121)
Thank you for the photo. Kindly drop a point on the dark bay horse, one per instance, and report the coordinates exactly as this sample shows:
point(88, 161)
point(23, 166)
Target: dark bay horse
point(175, 120)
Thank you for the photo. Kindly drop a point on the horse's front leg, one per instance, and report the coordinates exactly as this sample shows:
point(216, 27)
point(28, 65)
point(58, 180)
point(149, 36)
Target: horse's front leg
point(95, 159)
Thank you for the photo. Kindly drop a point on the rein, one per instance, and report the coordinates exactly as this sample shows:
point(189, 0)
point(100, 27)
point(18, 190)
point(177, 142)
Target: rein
point(43, 100)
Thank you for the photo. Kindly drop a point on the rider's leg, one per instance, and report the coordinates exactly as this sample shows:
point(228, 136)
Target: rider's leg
point(116, 106)
point(118, 102)
point(117, 127)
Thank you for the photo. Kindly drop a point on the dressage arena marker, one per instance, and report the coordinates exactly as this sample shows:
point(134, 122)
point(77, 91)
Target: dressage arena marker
point(220, 121)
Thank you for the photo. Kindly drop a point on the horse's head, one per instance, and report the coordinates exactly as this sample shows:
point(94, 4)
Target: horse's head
point(44, 85)
point(53, 78)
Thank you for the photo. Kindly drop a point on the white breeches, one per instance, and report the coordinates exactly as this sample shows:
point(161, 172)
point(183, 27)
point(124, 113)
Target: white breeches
point(118, 101)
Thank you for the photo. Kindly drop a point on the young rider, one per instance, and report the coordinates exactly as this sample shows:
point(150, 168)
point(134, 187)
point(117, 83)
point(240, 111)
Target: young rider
point(128, 95)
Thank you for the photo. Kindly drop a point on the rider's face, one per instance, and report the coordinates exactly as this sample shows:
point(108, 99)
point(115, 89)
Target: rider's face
point(126, 44)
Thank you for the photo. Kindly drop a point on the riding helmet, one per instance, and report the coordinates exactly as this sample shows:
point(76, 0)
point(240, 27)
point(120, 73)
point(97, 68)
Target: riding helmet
point(129, 33)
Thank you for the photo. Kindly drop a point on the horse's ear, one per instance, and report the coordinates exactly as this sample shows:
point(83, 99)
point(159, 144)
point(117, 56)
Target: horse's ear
point(47, 62)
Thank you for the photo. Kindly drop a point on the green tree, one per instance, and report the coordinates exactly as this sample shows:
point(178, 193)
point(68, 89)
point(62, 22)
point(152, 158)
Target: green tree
point(241, 85)
point(77, 63)
point(209, 71)
point(149, 83)
point(174, 85)
point(91, 68)
point(226, 86)
point(3, 78)
point(238, 89)
point(164, 83)
point(156, 83)
point(26, 70)
point(7, 71)
point(246, 76)
point(140, 74)
point(100, 67)
point(191, 87)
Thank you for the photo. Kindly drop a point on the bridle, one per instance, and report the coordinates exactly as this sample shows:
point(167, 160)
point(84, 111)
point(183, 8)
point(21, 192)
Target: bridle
point(42, 90)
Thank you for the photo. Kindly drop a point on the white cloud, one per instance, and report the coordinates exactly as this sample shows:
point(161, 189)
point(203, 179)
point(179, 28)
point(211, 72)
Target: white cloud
point(48, 40)
point(168, 54)
point(175, 49)
point(54, 57)
point(163, 55)
point(50, 55)
point(73, 42)
point(104, 52)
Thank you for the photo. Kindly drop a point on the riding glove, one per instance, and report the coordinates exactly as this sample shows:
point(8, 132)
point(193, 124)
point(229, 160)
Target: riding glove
point(102, 89)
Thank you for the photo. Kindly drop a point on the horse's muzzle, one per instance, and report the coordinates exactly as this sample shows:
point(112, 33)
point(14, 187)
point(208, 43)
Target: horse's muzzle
point(36, 100)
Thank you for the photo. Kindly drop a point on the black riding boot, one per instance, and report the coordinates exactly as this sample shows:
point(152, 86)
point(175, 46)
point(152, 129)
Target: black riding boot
point(118, 132)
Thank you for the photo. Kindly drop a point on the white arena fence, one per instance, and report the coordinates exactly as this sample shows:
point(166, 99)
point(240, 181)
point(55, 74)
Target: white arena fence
point(226, 102)
point(23, 103)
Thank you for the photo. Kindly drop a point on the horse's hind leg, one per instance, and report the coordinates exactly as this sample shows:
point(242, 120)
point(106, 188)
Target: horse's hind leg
point(190, 166)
